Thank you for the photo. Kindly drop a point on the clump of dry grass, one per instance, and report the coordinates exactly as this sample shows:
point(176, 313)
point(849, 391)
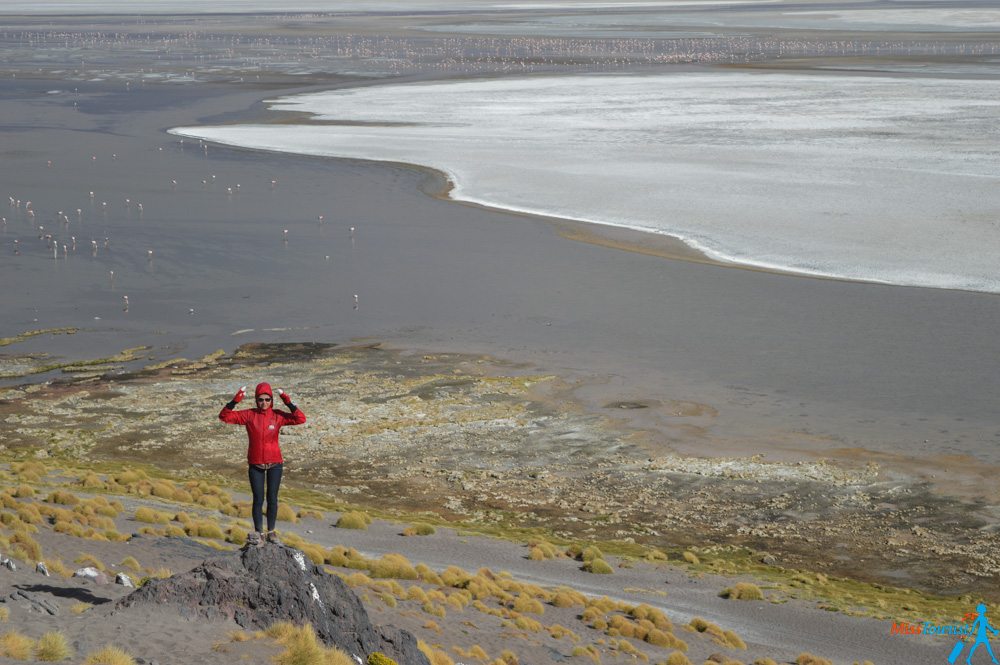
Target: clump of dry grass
point(428, 575)
point(302, 647)
point(434, 609)
point(475, 651)
point(419, 529)
point(454, 576)
point(286, 513)
point(726, 638)
point(63, 498)
point(767, 661)
point(691, 557)
point(91, 480)
point(16, 645)
point(539, 550)
point(24, 491)
point(29, 472)
point(236, 534)
point(676, 658)
point(131, 563)
point(24, 547)
point(357, 579)
point(353, 520)
point(435, 656)
point(525, 603)
point(4, 614)
point(742, 591)
point(588, 651)
point(150, 516)
point(566, 597)
point(598, 567)
point(310, 514)
point(393, 565)
point(52, 647)
point(80, 607)
point(806, 658)
point(89, 560)
point(204, 529)
point(109, 655)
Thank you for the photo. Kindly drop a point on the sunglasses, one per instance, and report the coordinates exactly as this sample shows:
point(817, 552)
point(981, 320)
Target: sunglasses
point(263, 399)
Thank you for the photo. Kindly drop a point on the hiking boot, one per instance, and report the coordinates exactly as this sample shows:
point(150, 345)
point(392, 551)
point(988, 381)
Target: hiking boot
point(254, 539)
point(272, 537)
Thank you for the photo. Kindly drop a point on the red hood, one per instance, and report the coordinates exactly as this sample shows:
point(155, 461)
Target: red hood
point(264, 389)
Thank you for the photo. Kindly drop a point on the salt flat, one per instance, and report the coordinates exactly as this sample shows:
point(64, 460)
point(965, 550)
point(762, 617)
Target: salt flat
point(884, 179)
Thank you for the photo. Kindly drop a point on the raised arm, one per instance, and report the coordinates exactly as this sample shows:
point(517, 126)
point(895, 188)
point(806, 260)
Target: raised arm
point(296, 417)
point(228, 415)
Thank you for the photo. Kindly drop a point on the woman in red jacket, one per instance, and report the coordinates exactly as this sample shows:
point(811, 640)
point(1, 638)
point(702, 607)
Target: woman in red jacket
point(264, 453)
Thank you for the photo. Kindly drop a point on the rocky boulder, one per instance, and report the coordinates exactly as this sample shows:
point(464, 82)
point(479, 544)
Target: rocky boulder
point(259, 586)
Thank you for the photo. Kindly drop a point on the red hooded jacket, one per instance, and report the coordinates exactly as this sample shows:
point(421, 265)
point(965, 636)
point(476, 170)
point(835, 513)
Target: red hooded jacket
point(262, 427)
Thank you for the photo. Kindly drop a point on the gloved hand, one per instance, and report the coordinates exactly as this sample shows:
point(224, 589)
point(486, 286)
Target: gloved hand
point(284, 397)
point(240, 394)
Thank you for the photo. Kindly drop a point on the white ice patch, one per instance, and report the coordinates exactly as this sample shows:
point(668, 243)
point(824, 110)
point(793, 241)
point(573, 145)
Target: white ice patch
point(883, 179)
point(300, 559)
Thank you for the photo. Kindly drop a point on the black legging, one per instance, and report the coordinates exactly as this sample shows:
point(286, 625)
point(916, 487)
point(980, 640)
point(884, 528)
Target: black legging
point(257, 477)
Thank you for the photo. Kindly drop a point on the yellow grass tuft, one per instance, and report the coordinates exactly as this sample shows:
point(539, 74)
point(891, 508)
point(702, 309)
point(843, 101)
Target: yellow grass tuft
point(15, 645)
point(428, 575)
point(63, 498)
point(4, 614)
point(743, 591)
point(237, 535)
point(131, 563)
point(357, 579)
point(286, 513)
point(676, 658)
point(109, 655)
point(589, 651)
point(89, 560)
point(204, 529)
point(24, 491)
point(150, 516)
point(691, 558)
point(80, 607)
point(598, 567)
point(353, 520)
point(302, 647)
point(91, 481)
point(52, 647)
point(419, 529)
point(525, 603)
point(25, 547)
point(310, 514)
point(435, 656)
point(806, 658)
point(395, 566)
point(434, 609)
point(734, 640)
point(770, 661)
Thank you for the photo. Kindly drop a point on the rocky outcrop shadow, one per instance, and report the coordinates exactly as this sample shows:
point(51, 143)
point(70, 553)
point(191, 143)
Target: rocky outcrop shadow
point(262, 585)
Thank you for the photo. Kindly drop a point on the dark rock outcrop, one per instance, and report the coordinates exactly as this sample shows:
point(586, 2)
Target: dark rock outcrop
point(262, 585)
